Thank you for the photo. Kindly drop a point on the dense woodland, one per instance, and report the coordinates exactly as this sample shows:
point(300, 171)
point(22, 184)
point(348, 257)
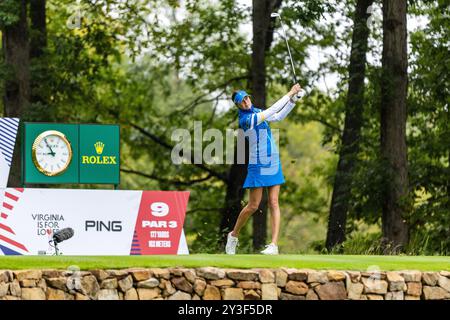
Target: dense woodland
point(365, 154)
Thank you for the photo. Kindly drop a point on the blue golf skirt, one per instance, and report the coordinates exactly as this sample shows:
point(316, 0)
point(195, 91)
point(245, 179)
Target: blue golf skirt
point(264, 175)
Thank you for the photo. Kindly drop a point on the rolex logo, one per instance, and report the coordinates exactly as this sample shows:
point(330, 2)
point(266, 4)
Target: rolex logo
point(99, 147)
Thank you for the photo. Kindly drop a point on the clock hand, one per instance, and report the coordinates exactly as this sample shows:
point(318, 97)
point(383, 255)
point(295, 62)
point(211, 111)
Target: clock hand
point(52, 153)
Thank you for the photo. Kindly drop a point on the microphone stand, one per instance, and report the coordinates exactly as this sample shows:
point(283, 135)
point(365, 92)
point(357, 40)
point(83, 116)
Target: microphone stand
point(55, 245)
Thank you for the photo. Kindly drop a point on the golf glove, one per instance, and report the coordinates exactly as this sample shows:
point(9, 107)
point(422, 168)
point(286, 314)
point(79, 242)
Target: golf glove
point(299, 95)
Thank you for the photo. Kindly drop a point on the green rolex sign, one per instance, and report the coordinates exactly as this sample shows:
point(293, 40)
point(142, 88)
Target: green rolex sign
point(99, 154)
point(71, 153)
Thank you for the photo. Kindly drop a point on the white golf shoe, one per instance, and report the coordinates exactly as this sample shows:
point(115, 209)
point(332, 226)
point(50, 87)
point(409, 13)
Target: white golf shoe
point(270, 249)
point(232, 243)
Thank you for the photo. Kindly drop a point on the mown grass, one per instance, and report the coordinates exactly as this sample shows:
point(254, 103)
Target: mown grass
point(325, 262)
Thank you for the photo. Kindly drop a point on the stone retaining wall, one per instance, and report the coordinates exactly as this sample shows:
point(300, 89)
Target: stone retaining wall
point(228, 284)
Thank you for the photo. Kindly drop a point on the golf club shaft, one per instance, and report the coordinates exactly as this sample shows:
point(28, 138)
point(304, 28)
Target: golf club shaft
point(289, 51)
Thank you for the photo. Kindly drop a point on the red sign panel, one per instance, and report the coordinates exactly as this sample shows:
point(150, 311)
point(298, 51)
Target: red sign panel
point(159, 223)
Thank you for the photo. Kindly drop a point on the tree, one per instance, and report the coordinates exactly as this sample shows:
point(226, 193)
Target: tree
point(429, 134)
point(38, 45)
point(165, 64)
point(393, 122)
point(350, 141)
point(16, 57)
point(39, 27)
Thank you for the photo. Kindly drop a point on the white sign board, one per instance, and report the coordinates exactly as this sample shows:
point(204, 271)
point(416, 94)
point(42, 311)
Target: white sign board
point(105, 222)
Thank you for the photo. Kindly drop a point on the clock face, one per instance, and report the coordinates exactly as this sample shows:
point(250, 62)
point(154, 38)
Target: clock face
point(51, 153)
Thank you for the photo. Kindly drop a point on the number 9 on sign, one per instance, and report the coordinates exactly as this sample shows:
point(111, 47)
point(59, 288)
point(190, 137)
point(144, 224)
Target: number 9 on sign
point(159, 209)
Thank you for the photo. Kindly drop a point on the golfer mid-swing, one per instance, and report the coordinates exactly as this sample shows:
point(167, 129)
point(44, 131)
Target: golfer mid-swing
point(264, 168)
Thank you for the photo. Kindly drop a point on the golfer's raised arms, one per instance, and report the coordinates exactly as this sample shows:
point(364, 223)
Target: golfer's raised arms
point(280, 115)
point(277, 112)
point(260, 117)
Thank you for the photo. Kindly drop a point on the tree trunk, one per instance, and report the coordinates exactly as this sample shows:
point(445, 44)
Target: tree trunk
point(393, 122)
point(352, 128)
point(448, 166)
point(234, 195)
point(39, 109)
point(39, 27)
point(17, 85)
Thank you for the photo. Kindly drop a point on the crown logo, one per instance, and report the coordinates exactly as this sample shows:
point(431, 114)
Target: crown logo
point(99, 147)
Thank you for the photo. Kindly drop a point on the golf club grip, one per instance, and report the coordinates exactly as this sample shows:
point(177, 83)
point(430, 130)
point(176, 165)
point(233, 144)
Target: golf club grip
point(301, 93)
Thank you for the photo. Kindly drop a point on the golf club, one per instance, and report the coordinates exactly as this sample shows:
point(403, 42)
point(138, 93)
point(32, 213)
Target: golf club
point(277, 15)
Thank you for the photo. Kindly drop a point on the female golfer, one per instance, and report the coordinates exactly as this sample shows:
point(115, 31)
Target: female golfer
point(264, 168)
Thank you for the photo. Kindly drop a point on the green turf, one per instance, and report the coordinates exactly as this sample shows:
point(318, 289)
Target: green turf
point(337, 262)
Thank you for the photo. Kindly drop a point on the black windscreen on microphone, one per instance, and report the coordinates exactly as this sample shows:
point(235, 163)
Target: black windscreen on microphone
point(62, 235)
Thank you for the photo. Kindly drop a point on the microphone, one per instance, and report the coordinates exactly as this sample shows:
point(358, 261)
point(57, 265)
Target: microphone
point(62, 235)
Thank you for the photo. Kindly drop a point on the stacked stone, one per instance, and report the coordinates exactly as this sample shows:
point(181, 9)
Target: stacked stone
point(436, 286)
point(210, 283)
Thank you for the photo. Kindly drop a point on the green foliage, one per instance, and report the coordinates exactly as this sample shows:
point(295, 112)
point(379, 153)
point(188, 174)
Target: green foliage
point(364, 242)
point(429, 132)
point(155, 66)
point(359, 244)
point(9, 12)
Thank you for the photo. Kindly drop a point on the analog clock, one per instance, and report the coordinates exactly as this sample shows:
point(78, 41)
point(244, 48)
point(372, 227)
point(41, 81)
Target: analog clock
point(51, 153)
